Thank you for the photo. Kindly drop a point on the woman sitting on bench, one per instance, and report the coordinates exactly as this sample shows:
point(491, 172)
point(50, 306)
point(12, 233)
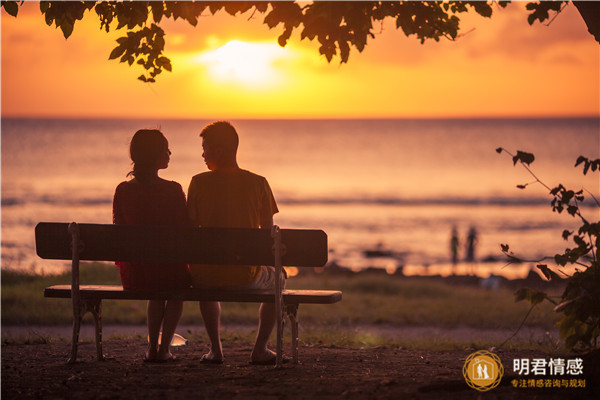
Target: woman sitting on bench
point(148, 199)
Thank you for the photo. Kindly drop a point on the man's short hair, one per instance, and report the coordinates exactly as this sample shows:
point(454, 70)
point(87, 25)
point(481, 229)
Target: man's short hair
point(221, 134)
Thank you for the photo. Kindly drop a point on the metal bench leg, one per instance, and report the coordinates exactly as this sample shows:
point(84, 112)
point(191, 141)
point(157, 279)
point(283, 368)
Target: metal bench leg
point(95, 307)
point(292, 313)
point(78, 310)
point(75, 338)
point(278, 250)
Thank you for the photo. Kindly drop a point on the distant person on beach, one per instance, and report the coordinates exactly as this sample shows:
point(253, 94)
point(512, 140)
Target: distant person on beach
point(149, 200)
point(471, 244)
point(454, 244)
point(229, 197)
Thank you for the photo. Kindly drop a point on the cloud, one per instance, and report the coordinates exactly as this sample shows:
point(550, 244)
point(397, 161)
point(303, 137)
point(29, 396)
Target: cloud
point(515, 38)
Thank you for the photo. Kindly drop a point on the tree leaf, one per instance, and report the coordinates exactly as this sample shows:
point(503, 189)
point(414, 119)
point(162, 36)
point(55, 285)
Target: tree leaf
point(482, 8)
point(67, 28)
point(586, 167)
point(44, 6)
point(548, 273)
point(532, 296)
point(580, 159)
point(117, 52)
point(11, 7)
point(524, 157)
point(572, 210)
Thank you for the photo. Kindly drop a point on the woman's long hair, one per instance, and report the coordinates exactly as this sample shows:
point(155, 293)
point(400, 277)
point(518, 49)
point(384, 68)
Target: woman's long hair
point(146, 148)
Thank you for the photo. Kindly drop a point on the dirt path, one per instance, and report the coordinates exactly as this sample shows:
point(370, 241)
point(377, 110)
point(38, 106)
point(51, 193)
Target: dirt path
point(459, 334)
point(39, 371)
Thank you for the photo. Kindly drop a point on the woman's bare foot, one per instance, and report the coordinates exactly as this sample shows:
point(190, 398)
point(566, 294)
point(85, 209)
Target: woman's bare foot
point(151, 354)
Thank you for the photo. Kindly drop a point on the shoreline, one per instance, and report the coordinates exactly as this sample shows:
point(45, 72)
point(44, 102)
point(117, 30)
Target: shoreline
point(332, 268)
point(492, 282)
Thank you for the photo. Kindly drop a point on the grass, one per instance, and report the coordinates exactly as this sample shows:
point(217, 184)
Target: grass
point(367, 300)
point(419, 302)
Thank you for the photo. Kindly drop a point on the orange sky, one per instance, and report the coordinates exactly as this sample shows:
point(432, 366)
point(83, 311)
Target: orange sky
point(502, 67)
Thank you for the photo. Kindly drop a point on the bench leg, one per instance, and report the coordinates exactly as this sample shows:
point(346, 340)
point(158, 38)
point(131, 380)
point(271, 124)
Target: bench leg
point(95, 307)
point(292, 313)
point(77, 315)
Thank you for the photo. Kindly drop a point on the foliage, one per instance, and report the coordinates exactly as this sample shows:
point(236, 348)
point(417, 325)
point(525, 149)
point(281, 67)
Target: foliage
point(337, 26)
point(579, 325)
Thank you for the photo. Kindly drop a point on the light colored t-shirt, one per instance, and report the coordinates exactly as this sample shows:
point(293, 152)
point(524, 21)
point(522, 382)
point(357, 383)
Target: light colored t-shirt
point(228, 199)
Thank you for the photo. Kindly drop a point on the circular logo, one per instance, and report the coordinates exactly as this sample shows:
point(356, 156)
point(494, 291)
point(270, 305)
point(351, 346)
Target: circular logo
point(483, 370)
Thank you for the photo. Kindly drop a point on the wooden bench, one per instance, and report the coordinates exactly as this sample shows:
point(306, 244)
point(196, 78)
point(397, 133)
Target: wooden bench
point(222, 246)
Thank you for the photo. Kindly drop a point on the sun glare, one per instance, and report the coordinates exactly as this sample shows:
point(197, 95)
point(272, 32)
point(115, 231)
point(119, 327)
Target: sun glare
point(250, 64)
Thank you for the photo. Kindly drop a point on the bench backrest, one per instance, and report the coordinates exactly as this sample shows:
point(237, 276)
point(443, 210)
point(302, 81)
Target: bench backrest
point(223, 246)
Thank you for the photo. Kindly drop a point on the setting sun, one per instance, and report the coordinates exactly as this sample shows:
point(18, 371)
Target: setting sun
point(234, 66)
point(251, 64)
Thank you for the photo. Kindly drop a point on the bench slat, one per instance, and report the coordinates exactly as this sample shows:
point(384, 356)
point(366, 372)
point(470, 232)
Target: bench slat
point(227, 246)
point(253, 296)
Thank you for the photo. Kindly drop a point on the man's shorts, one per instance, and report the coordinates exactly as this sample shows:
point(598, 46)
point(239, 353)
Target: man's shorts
point(266, 279)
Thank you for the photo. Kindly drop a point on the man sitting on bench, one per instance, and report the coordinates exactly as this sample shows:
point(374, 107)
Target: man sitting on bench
point(229, 197)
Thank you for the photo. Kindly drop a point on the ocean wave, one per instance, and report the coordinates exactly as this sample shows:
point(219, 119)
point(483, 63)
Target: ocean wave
point(66, 200)
point(442, 201)
point(10, 201)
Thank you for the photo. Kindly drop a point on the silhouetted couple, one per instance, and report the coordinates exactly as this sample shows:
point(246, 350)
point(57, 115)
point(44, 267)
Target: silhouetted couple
point(226, 196)
point(470, 246)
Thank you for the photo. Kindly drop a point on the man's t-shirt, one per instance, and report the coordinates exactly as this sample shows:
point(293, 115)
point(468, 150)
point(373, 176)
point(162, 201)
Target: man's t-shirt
point(228, 199)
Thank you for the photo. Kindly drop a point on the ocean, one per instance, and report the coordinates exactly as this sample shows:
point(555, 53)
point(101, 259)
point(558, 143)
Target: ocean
point(387, 192)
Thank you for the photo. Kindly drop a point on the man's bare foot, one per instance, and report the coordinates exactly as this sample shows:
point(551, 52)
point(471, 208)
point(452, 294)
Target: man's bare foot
point(265, 357)
point(164, 356)
point(211, 358)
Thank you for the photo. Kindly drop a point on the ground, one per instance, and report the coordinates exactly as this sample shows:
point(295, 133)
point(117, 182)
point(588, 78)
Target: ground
point(40, 371)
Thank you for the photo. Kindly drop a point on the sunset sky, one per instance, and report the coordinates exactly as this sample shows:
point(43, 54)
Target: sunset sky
point(232, 67)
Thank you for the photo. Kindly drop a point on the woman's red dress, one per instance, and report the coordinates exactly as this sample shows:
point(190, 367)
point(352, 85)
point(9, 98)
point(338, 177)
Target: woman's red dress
point(158, 203)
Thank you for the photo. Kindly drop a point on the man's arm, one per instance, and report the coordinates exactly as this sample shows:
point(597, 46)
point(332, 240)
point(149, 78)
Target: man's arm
point(267, 223)
point(269, 207)
point(191, 204)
